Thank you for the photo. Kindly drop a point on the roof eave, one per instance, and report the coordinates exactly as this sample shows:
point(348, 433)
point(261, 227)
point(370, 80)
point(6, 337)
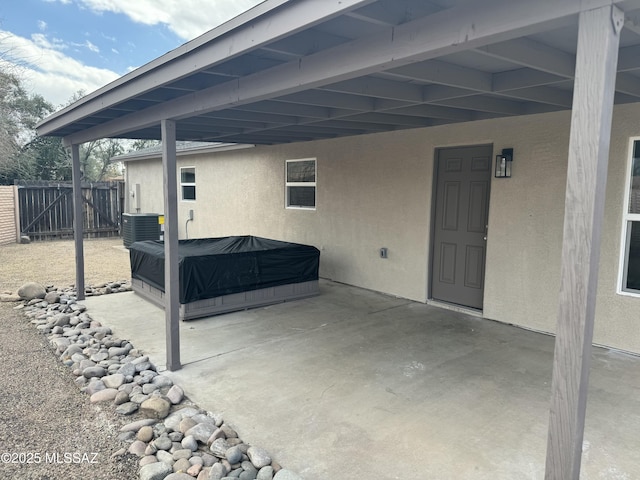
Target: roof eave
point(94, 102)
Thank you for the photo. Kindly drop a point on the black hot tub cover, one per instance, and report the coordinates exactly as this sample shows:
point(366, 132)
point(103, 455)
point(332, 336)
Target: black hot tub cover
point(213, 267)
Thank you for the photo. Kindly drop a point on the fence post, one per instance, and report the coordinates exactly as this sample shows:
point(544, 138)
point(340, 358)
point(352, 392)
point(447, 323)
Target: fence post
point(16, 209)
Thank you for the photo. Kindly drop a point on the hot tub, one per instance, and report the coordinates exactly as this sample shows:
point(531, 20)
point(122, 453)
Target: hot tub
point(220, 275)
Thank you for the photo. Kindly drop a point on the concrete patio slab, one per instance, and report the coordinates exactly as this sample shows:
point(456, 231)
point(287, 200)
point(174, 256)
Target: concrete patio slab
point(355, 384)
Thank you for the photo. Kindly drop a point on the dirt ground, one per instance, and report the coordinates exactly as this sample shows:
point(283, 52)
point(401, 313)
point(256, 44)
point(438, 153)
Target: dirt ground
point(53, 263)
point(43, 415)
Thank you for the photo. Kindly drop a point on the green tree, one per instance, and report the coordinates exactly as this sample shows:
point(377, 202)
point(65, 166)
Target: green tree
point(95, 159)
point(19, 114)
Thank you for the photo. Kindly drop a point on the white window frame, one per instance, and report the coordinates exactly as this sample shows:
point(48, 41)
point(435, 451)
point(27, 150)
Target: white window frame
point(288, 184)
point(627, 218)
point(187, 184)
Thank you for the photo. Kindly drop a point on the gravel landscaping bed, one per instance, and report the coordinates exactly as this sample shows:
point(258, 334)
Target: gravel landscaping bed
point(78, 402)
point(44, 416)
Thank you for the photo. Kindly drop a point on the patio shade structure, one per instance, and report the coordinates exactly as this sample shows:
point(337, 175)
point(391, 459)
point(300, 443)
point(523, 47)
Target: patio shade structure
point(301, 70)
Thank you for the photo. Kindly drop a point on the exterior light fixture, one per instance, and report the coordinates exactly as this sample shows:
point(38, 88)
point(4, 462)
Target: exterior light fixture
point(503, 163)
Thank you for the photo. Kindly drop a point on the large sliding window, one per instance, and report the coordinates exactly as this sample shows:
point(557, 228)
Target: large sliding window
point(630, 262)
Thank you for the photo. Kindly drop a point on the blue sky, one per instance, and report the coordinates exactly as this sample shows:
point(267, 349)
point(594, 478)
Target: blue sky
point(62, 46)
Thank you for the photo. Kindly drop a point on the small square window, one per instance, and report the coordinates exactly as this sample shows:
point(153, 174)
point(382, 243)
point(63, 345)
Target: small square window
point(188, 183)
point(301, 183)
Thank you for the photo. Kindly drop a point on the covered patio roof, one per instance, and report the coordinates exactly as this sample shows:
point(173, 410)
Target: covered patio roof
point(300, 70)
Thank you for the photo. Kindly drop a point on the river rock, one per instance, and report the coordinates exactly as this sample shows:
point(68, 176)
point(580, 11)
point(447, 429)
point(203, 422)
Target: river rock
point(127, 408)
point(60, 320)
point(259, 457)
point(190, 442)
point(94, 386)
point(137, 425)
point(147, 459)
point(145, 434)
point(121, 397)
point(219, 447)
point(265, 473)
point(164, 457)
point(105, 395)
point(195, 469)
point(155, 407)
point(31, 290)
point(178, 476)
point(181, 465)
point(113, 381)
point(127, 369)
point(91, 372)
point(162, 381)
point(8, 297)
point(201, 432)
point(218, 471)
point(52, 297)
point(186, 424)
point(286, 475)
point(137, 448)
point(175, 394)
point(155, 471)
point(233, 455)
point(163, 442)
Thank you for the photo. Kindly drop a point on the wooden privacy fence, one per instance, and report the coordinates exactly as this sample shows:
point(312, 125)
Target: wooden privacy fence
point(46, 209)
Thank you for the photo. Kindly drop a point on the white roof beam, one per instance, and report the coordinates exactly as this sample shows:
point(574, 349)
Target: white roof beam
point(443, 73)
point(345, 123)
point(253, 117)
point(272, 107)
point(469, 26)
point(552, 96)
point(379, 88)
point(329, 99)
point(523, 78)
point(390, 119)
point(528, 53)
point(436, 93)
point(486, 104)
point(434, 111)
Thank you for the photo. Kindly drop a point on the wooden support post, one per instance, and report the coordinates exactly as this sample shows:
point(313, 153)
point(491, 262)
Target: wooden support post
point(78, 221)
point(171, 276)
point(594, 85)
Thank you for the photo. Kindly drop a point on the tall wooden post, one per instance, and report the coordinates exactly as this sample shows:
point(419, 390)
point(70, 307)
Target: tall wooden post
point(594, 86)
point(78, 223)
point(171, 276)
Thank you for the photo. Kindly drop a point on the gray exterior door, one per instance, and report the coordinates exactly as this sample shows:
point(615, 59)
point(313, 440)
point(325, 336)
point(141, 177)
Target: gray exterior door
point(460, 229)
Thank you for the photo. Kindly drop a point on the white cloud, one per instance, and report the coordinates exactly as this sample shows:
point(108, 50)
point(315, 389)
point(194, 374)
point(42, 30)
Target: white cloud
point(187, 18)
point(41, 40)
point(91, 46)
point(46, 70)
point(42, 25)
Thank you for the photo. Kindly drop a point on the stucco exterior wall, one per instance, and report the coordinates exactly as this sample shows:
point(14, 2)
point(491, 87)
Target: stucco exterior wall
point(375, 191)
